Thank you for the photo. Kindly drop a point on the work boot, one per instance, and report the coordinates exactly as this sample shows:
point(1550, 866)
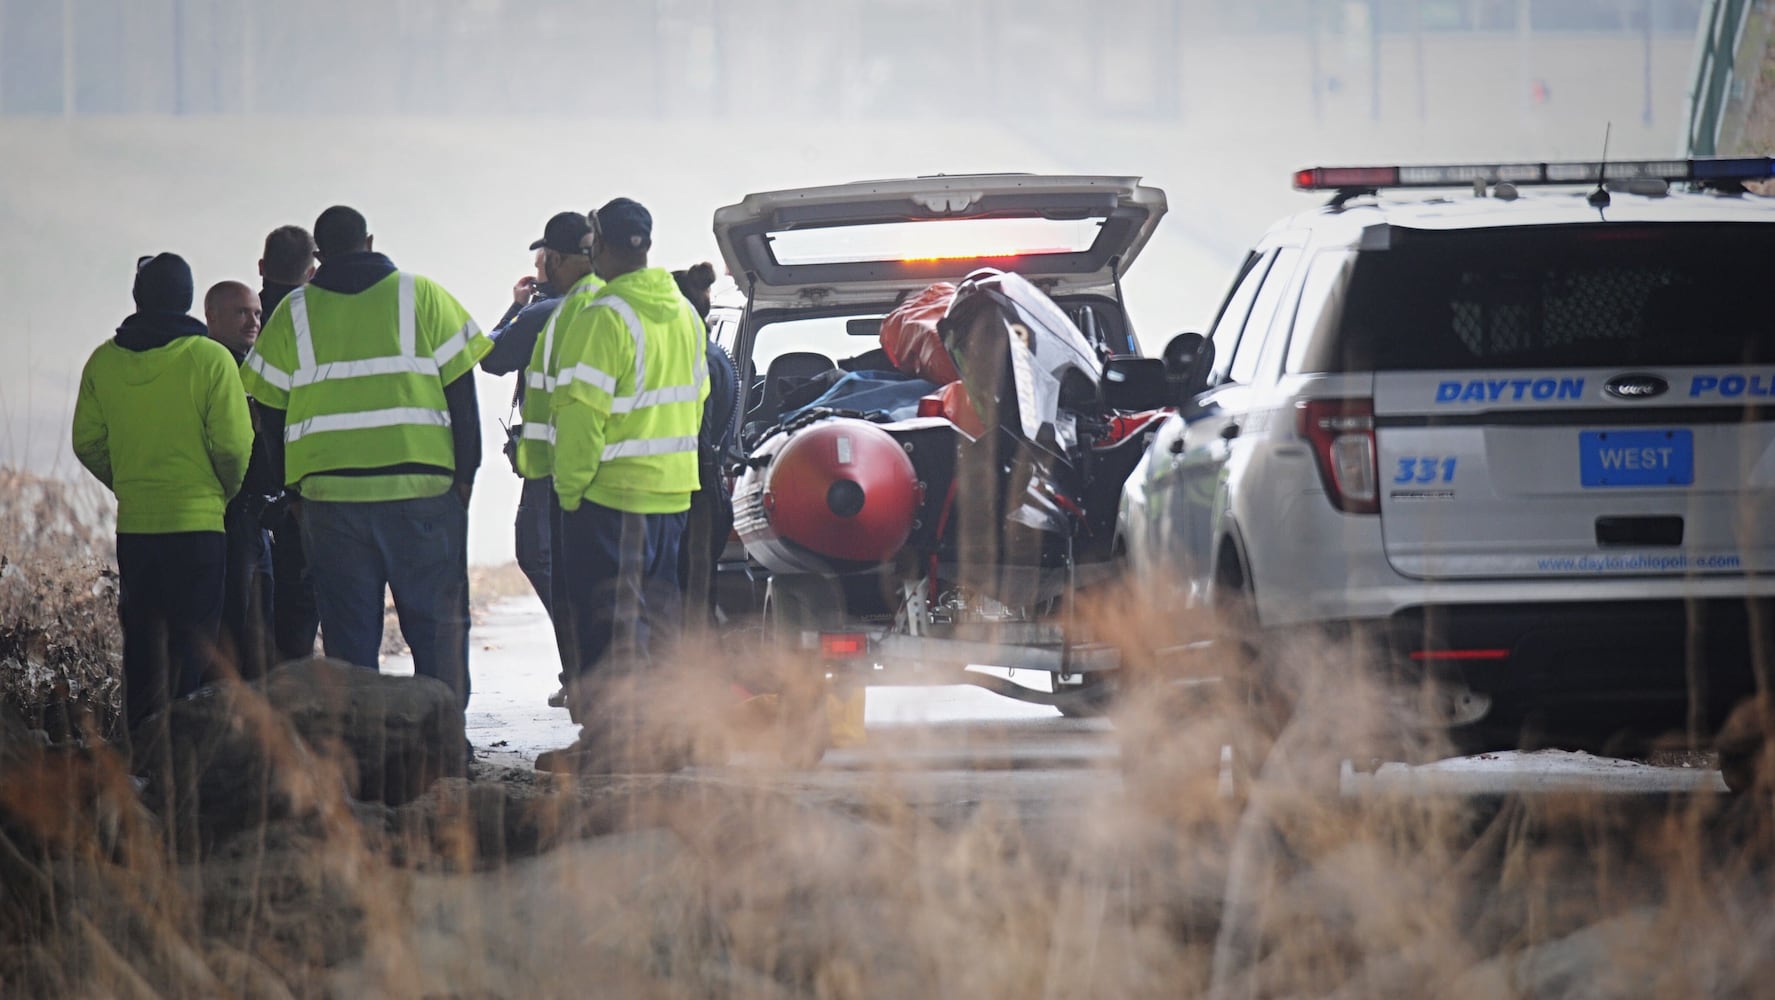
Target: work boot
point(608, 753)
point(559, 698)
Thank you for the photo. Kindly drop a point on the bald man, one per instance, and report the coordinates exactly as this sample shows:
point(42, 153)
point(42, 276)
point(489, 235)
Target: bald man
point(231, 310)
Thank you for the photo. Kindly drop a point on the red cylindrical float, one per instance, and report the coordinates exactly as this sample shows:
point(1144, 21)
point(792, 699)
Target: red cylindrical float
point(844, 489)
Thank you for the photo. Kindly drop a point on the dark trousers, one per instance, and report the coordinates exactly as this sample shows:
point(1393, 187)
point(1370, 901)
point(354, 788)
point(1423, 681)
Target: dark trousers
point(295, 617)
point(535, 550)
point(418, 549)
point(615, 585)
point(706, 528)
point(247, 597)
point(169, 601)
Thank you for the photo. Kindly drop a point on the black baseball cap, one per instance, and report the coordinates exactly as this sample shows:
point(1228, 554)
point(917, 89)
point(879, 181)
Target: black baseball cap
point(564, 232)
point(622, 222)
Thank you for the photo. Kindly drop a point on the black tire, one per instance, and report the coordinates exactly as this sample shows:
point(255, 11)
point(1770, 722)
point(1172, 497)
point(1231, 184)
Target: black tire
point(1096, 696)
point(1740, 767)
point(1236, 608)
point(1263, 703)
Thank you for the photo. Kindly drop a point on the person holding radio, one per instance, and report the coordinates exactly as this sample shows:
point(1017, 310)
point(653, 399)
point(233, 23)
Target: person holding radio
point(534, 299)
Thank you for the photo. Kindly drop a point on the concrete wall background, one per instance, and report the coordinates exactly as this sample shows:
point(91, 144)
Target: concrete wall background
point(827, 58)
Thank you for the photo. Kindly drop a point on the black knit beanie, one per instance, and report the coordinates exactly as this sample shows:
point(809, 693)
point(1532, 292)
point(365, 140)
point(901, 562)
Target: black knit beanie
point(163, 284)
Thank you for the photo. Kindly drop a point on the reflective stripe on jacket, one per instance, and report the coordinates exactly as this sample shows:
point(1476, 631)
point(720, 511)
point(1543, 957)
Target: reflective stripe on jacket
point(536, 452)
point(630, 378)
point(361, 380)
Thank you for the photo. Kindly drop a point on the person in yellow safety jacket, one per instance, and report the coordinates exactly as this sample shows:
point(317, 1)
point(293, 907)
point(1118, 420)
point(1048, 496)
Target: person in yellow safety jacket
point(161, 421)
point(565, 257)
point(629, 376)
point(365, 381)
point(535, 298)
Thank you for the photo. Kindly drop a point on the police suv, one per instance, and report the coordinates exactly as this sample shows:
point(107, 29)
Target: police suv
point(1522, 436)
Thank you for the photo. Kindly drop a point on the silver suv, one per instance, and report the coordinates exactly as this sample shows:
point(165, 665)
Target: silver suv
point(1521, 436)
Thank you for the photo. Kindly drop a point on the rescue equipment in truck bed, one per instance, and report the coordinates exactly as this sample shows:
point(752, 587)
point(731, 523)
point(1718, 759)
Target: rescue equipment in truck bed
point(1013, 513)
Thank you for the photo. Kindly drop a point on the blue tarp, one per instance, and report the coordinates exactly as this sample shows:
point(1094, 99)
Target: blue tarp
point(880, 394)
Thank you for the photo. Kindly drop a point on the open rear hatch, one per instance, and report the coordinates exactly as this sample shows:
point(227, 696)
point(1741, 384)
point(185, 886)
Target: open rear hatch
point(1572, 401)
point(866, 241)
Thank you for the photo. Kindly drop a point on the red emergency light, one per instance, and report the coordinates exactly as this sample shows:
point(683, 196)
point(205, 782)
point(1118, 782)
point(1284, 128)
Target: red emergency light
point(1338, 178)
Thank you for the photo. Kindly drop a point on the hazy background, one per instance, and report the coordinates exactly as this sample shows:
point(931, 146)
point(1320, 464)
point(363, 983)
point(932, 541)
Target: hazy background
point(458, 126)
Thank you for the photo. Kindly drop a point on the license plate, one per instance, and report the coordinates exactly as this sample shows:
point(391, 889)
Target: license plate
point(1636, 458)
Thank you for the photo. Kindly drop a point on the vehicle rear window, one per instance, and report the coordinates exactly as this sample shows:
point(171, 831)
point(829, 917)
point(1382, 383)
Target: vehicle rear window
point(934, 240)
point(1591, 296)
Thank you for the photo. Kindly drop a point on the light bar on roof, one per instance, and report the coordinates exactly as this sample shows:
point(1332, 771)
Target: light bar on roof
point(1734, 168)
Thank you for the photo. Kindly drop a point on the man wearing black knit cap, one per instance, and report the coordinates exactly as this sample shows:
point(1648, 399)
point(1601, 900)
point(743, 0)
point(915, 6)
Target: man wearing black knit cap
point(162, 421)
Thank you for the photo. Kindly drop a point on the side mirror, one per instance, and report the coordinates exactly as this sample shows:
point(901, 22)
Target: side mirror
point(1188, 359)
point(1134, 383)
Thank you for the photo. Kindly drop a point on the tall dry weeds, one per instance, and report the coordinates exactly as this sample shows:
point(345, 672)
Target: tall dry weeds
point(60, 645)
point(1173, 872)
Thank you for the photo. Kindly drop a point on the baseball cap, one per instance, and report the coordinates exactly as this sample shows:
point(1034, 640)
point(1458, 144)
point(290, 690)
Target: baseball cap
point(563, 232)
point(622, 222)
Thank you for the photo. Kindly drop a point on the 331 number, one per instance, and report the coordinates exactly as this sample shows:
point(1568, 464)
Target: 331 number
point(1425, 470)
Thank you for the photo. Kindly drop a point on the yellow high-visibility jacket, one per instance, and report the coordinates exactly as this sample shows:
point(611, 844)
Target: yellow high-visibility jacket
point(166, 430)
point(536, 447)
point(630, 377)
point(361, 379)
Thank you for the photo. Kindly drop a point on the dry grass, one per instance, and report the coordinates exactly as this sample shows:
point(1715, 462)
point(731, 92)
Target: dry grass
point(60, 645)
point(756, 881)
point(488, 585)
point(1757, 135)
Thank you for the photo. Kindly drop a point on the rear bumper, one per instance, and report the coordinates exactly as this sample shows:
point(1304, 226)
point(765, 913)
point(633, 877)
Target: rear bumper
point(1583, 672)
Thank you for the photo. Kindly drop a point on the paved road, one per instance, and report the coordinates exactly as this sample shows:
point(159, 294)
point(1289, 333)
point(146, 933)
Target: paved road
point(961, 743)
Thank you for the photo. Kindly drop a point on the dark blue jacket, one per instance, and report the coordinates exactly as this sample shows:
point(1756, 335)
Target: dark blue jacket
point(720, 418)
point(514, 339)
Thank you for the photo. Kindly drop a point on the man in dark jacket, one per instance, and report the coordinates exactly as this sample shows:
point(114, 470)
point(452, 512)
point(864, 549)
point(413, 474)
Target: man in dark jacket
point(287, 265)
point(231, 311)
point(534, 299)
point(711, 506)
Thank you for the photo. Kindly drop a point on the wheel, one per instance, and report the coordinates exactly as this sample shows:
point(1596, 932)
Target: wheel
point(1740, 767)
point(1096, 695)
point(1248, 673)
point(794, 604)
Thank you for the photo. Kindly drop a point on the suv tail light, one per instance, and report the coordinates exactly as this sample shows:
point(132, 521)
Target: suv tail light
point(1341, 432)
point(839, 645)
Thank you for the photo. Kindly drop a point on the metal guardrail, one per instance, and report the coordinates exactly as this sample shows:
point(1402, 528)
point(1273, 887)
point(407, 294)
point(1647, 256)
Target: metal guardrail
point(1716, 51)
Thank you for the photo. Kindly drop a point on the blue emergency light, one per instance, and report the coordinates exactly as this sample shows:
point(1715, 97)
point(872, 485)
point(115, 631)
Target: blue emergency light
point(1709, 170)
